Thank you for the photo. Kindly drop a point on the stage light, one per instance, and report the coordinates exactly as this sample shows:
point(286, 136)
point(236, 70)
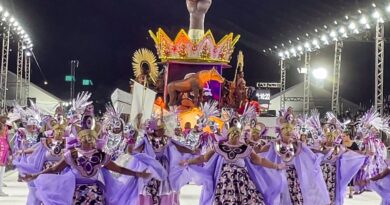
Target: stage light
point(22, 32)
point(276, 47)
point(367, 26)
point(342, 30)
point(280, 54)
point(315, 42)
point(359, 11)
point(373, 5)
point(320, 73)
point(347, 17)
point(1, 8)
point(352, 26)
point(6, 14)
point(264, 51)
point(316, 30)
point(376, 15)
point(363, 20)
point(298, 38)
point(325, 27)
point(335, 22)
point(292, 50)
point(289, 41)
point(282, 44)
point(287, 53)
point(299, 48)
point(12, 19)
point(45, 82)
point(333, 33)
point(16, 24)
point(307, 45)
point(324, 38)
point(28, 53)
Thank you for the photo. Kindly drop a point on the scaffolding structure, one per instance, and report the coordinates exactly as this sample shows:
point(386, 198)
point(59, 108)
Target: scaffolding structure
point(306, 85)
point(4, 70)
point(19, 73)
point(379, 66)
point(282, 83)
point(336, 77)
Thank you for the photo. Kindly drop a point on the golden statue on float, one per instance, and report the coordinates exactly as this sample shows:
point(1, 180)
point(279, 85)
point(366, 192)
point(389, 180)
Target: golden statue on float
point(193, 62)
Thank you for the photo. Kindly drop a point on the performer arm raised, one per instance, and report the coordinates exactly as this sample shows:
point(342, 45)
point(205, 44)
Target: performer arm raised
point(121, 170)
point(256, 159)
point(198, 160)
point(381, 175)
point(61, 165)
point(183, 149)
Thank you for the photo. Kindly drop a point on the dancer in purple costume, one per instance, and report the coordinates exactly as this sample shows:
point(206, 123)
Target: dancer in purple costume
point(339, 166)
point(369, 126)
point(233, 174)
point(87, 180)
point(381, 184)
point(43, 156)
point(305, 182)
point(168, 153)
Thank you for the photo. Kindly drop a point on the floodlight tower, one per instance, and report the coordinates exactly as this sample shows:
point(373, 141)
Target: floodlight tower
point(379, 65)
point(306, 84)
point(336, 77)
point(19, 72)
point(4, 67)
point(27, 76)
point(282, 83)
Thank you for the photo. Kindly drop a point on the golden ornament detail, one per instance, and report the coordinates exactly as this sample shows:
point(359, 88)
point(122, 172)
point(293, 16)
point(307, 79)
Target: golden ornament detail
point(142, 56)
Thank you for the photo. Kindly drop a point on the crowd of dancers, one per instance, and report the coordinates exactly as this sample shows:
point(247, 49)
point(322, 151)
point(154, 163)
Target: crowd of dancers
point(74, 157)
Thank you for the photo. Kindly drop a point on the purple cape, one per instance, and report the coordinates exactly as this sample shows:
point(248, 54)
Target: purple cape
point(382, 187)
point(178, 176)
point(128, 194)
point(307, 165)
point(347, 166)
point(268, 182)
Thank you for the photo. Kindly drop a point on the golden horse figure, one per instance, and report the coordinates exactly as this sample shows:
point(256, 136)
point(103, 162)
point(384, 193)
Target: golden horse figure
point(193, 83)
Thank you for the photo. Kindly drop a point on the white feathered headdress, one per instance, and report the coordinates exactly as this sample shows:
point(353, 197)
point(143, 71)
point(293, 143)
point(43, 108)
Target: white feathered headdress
point(372, 119)
point(78, 106)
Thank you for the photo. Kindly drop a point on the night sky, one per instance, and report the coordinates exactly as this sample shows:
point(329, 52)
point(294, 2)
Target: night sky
point(103, 35)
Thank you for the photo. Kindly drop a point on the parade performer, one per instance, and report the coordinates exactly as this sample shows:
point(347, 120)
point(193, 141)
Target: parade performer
point(380, 183)
point(339, 165)
point(88, 180)
point(5, 151)
point(43, 156)
point(29, 135)
point(168, 153)
point(233, 173)
point(305, 182)
point(114, 133)
point(137, 162)
point(369, 126)
point(74, 115)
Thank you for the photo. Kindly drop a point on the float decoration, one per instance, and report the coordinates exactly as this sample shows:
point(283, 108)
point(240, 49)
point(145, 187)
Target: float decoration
point(145, 66)
point(183, 48)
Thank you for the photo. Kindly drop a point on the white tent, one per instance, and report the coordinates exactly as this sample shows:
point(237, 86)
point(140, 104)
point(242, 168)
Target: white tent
point(320, 99)
point(46, 101)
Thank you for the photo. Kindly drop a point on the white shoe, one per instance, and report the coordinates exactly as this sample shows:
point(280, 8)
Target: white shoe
point(3, 194)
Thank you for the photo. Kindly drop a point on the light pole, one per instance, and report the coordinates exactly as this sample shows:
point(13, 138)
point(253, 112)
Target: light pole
point(73, 65)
